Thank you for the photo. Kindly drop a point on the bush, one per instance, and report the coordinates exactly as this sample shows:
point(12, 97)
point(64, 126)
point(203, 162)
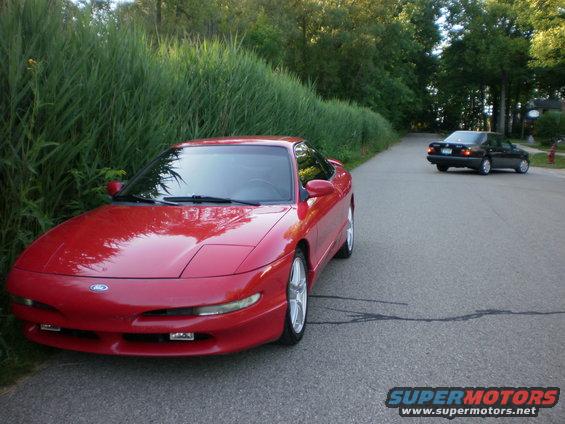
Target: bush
point(549, 126)
point(85, 100)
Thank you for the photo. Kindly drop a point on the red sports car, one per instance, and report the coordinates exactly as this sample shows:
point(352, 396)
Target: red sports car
point(211, 248)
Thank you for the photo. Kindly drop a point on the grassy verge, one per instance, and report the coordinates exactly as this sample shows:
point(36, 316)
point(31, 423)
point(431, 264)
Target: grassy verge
point(18, 357)
point(560, 147)
point(540, 159)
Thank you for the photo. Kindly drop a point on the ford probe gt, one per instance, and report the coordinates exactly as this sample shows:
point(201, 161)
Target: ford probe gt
point(212, 248)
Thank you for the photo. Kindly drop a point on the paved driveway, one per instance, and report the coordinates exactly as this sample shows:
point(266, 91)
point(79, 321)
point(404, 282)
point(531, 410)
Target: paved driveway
point(456, 280)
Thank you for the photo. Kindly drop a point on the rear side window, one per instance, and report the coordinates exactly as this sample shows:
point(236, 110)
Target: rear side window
point(309, 167)
point(494, 140)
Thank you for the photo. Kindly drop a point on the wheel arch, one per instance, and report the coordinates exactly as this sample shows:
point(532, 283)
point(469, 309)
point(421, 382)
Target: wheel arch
point(305, 247)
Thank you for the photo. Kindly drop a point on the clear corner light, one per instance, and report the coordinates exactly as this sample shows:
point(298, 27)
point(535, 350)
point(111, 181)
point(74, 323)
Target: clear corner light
point(224, 308)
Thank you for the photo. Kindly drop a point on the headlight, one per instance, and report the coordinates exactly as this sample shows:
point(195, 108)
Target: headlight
point(31, 303)
point(22, 300)
point(226, 307)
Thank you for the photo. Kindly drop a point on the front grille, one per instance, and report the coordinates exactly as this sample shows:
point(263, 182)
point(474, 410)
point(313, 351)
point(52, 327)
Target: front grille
point(158, 337)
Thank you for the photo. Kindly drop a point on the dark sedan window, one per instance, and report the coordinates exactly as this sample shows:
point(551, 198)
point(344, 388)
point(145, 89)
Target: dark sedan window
point(494, 141)
point(464, 137)
point(242, 172)
point(309, 167)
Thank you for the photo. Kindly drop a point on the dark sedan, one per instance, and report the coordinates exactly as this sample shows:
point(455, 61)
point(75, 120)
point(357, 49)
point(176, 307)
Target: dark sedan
point(477, 150)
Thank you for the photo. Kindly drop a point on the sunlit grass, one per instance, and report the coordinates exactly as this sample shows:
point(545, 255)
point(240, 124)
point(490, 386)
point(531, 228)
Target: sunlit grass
point(540, 159)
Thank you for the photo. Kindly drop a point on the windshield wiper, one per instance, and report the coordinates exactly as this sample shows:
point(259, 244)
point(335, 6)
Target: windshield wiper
point(208, 199)
point(141, 199)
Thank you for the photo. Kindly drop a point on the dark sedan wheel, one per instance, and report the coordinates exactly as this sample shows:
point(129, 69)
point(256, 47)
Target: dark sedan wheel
point(297, 301)
point(523, 167)
point(442, 168)
point(484, 169)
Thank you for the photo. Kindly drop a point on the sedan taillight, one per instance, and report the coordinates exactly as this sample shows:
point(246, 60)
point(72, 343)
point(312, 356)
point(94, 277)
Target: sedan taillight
point(431, 150)
point(466, 152)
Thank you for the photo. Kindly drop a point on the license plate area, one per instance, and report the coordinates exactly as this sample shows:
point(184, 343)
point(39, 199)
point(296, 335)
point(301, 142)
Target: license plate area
point(446, 151)
point(187, 337)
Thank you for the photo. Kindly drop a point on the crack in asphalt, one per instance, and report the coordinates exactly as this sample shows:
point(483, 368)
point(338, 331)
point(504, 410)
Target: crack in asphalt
point(356, 317)
point(327, 296)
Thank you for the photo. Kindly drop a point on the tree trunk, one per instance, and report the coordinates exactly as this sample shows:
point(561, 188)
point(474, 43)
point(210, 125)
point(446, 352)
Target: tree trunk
point(515, 127)
point(494, 96)
point(501, 124)
point(483, 107)
point(509, 101)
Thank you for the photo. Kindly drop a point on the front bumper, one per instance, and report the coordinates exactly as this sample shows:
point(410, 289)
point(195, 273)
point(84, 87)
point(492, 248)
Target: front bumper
point(115, 321)
point(455, 161)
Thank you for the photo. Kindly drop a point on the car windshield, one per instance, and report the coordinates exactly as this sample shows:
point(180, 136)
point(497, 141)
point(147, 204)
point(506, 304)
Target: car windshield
point(464, 137)
point(260, 174)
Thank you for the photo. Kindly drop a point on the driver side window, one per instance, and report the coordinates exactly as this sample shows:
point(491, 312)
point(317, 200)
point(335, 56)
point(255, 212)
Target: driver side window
point(309, 168)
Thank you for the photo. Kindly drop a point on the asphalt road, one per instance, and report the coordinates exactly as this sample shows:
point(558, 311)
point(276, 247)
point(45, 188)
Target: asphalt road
point(456, 280)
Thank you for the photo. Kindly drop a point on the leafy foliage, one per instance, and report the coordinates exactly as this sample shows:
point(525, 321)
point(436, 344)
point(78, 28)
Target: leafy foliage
point(377, 53)
point(550, 126)
point(487, 73)
point(547, 18)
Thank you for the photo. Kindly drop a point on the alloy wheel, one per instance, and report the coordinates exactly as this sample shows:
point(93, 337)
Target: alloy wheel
point(486, 166)
point(298, 295)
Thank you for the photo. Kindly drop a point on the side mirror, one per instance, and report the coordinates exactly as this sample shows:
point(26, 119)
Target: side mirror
point(335, 162)
point(113, 187)
point(319, 188)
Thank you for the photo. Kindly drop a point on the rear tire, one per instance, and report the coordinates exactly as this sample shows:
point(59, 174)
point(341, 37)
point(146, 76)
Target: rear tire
point(442, 168)
point(523, 167)
point(485, 166)
point(346, 248)
point(297, 301)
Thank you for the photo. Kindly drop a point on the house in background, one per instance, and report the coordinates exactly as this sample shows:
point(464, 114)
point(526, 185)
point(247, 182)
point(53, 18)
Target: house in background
point(545, 105)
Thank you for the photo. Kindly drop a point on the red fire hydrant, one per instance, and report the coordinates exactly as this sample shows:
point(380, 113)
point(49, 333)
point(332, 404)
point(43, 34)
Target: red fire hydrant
point(551, 154)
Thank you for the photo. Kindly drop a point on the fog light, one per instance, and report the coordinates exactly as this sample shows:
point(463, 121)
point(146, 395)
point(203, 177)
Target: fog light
point(49, 327)
point(224, 308)
point(181, 336)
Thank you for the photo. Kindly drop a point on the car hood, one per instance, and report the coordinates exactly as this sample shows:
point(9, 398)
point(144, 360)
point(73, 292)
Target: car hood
point(126, 241)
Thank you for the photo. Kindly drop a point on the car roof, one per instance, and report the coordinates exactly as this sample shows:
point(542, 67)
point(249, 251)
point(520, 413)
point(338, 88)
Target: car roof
point(478, 132)
point(265, 140)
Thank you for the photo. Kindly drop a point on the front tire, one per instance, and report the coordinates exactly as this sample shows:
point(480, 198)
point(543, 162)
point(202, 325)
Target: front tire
point(346, 249)
point(484, 168)
point(523, 167)
point(297, 301)
point(442, 168)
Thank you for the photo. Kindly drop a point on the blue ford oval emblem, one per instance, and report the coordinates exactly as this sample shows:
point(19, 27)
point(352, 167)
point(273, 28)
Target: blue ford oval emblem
point(98, 288)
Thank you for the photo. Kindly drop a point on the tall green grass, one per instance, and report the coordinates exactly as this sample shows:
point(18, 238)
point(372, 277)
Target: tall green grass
point(82, 100)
